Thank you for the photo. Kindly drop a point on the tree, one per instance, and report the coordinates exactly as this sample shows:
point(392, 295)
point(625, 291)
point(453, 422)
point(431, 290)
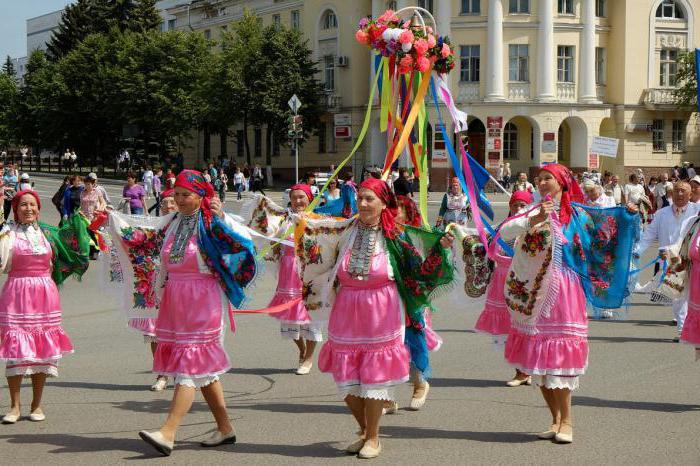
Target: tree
point(9, 68)
point(686, 94)
point(86, 17)
point(8, 100)
point(288, 69)
point(146, 14)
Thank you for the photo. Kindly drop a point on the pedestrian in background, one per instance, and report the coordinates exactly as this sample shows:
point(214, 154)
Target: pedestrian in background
point(238, 182)
point(147, 179)
point(135, 194)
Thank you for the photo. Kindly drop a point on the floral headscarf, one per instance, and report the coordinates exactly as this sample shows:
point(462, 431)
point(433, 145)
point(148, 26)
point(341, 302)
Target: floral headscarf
point(18, 196)
point(570, 190)
point(194, 181)
point(413, 217)
point(388, 218)
point(305, 188)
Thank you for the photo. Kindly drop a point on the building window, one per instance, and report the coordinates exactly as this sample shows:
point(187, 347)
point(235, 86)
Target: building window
point(678, 136)
point(510, 141)
point(322, 138)
point(600, 66)
point(171, 24)
point(239, 143)
point(207, 34)
point(329, 73)
point(258, 142)
point(471, 7)
point(329, 21)
point(565, 64)
point(275, 145)
point(565, 7)
point(668, 67)
point(277, 21)
point(600, 9)
point(518, 63)
point(427, 4)
point(657, 136)
point(469, 63)
point(669, 10)
point(519, 6)
point(296, 19)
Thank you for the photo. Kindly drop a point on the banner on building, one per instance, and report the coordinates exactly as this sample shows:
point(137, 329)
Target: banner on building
point(493, 160)
point(605, 147)
point(593, 162)
point(549, 145)
point(439, 159)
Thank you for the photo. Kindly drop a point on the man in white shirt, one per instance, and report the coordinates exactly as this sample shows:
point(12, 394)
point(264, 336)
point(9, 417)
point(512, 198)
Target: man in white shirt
point(595, 195)
point(614, 189)
point(660, 190)
point(666, 229)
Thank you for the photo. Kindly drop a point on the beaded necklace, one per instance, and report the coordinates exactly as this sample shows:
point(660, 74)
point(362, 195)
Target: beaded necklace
point(362, 250)
point(184, 232)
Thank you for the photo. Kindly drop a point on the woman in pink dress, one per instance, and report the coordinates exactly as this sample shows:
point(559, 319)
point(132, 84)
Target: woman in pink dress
point(295, 321)
point(206, 260)
point(146, 325)
point(365, 351)
point(685, 260)
point(32, 338)
point(495, 319)
point(546, 299)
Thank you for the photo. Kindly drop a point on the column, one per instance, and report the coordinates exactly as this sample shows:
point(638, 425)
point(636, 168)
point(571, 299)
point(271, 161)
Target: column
point(494, 47)
point(587, 87)
point(443, 17)
point(545, 52)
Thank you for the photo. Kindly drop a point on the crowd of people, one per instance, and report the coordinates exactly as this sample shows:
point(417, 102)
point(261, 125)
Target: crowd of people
point(361, 285)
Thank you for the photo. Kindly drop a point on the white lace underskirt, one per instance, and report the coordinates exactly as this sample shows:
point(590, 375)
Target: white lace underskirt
point(195, 382)
point(148, 339)
point(296, 331)
point(554, 382)
point(14, 368)
point(375, 392)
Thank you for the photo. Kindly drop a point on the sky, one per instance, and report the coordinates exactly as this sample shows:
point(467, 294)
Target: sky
point(13, 23)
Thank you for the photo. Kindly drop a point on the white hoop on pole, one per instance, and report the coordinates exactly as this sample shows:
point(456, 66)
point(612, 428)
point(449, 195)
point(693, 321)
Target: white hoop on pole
point(417, 10)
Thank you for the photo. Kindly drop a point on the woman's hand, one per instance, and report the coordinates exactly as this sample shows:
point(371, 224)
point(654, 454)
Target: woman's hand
point(546, 209)
point(217, 207)
point(632, 208)
point(447, 240)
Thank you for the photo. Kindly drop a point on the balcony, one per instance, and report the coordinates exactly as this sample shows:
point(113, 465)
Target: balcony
point(333, 100)
point(660, 97)
point(566, 92)
point(468, 92)
point(518, 91)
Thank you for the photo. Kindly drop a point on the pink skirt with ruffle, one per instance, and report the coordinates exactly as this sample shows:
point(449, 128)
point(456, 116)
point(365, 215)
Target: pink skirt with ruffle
point(495, 318)
point(560, 345)
point(30, 320)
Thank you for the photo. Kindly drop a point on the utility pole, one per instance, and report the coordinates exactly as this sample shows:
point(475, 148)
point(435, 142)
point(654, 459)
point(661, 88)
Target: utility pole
point(295, 132)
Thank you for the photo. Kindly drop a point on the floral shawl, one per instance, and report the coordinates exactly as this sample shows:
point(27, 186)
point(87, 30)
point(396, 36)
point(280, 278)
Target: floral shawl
point(532, 283)
point(420, 267)
point(70, 246)
point(472, 266)
point(599, 250)
point(596, 244)
point(674, 283)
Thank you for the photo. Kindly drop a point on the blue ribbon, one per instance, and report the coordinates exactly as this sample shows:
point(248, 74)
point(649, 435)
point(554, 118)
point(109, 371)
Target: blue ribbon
point(460, 173)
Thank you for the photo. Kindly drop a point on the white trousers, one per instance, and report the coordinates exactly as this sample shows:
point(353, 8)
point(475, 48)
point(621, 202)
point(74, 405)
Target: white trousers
point(680, 310)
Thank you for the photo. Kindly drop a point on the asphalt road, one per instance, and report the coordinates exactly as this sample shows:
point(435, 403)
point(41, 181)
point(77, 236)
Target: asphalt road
point(638, 404)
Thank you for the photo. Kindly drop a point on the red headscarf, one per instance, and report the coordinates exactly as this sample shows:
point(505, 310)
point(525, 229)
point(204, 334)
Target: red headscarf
point(303, 187)
point(18, 196)
point(388, 218)
point(167, 193)
point(520, 196)
point(570, 190)
point(194, 181)
point(412, 215)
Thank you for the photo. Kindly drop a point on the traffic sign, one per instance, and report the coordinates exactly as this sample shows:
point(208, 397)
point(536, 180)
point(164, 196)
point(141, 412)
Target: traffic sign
point(294, 103)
